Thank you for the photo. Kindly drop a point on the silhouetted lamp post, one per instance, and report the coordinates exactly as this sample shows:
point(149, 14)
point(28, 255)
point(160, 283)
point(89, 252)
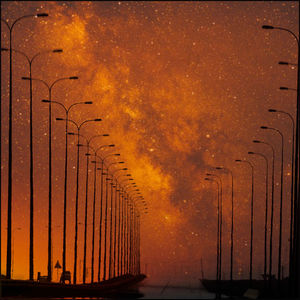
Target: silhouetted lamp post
point(251, 215)
point(266, 211)
point(49, 87)
point(77, 186)
point(232, 220)
point(280, 209)
point(272, 209)
point(30, 61)
point(10, 119)
point(67, 110)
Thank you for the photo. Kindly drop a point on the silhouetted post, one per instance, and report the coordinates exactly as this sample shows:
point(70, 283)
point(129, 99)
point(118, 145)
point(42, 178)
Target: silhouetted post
point(218, 226)
point(86, 202)
point(30, 61)
point(232, 220)
point(266, 213)
point(292, 190)
point(49, 87)
point(67, 110)
point(10, 119)
point(272, 210)
point(296, 251)
point(251, 217)
point(280, 209)
point(77, 187)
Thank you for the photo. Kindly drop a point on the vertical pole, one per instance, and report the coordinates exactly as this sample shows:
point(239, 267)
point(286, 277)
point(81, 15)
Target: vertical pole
point(115, 236)
point(31, 183)
point(110, 232)
point(9, 192)
point(50, 193)
point(86, 208)
point(93, 238)
point(105, 231)
point(65, 200)
point(76, 212)
point(100, 223)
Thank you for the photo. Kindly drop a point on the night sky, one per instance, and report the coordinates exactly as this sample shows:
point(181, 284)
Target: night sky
point(181, 87)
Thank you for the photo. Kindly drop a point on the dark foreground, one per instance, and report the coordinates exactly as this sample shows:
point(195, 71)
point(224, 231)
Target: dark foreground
point(254, 289)
point(113, 288)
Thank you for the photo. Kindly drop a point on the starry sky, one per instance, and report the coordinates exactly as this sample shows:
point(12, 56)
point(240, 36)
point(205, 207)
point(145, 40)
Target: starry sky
point(181, 87)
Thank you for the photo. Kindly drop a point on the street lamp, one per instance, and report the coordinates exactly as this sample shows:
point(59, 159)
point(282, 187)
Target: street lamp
point(9, 192)
point(272, 209)
point(30, 61)
point(88, 141)
point(266, 212)
point(218, 231)
point(295, 278)
point(280, 211)
point(49, 87)
point(232, 220)
point(293, 204)
point(220, 223)
point(251, 216)
point(67, 110)
point(77, 187)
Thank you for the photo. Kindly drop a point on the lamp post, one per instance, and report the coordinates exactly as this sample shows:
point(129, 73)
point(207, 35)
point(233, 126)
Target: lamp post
point(30, 61)
point(292, 187)
point(218, 231)
point(272, 209)
point(232, 220)
point(88, 141)
point(266, 212)
point(67, 110)
point(94, 205)
point(49, 87)
point(9, 192)
point(296, 256)
point(220, 224)
point(115, 223)
point(111, 218)
point(105, 217)
point(280, 209)
point(251, 216)
point(77, 187)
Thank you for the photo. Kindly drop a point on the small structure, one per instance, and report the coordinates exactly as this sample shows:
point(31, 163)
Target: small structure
point(65, 276)
point(41, 278)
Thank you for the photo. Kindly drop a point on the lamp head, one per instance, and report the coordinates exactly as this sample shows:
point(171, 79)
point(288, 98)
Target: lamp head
point(272, 110)
point(46, 101)
point(60, 119)
point(283, 63)
point(57, 50)
point(42, 15)
point(71, 133)
point(112, 145)
point(97, 120)
point(267, 27)
point(250, 152)
point(88, 102)
point(117, 154)
point(25, 78)
point(238, 160)
point(73, 77)
point(256, 141)
point(105, 134)
point(219, 168)
point(4, 49)
point(283, 88)
point(264, 127)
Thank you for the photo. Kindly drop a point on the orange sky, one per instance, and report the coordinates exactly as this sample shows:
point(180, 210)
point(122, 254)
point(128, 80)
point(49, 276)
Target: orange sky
point(181, 87)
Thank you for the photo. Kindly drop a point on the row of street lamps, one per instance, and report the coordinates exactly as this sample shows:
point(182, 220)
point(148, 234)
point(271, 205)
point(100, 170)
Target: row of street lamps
point(294, 223)
point(127, 204)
